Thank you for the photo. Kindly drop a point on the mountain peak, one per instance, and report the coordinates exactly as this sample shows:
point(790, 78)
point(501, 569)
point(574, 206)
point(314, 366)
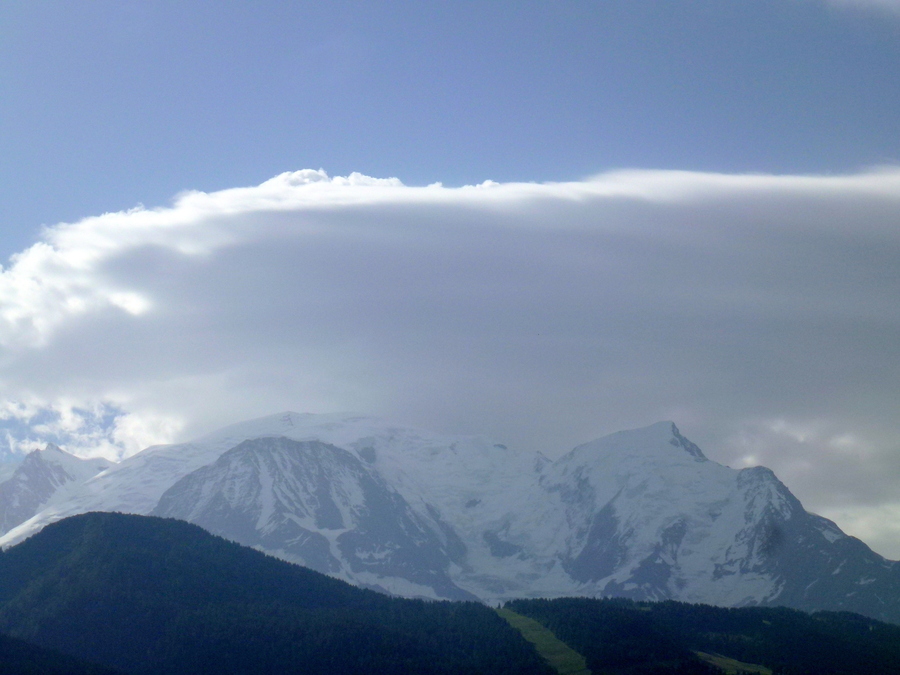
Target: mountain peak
point(285, 423)
point(653, 440)
point(53, 449)
point(680, 441)
point(41, 455)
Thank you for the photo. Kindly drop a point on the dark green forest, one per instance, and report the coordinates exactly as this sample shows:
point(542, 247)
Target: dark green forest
point(141, 595)
point(624, 637)
point(148, 595)
point(18, 657)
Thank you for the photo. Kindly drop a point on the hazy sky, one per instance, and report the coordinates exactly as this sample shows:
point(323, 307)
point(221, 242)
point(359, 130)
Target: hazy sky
point(581, 217)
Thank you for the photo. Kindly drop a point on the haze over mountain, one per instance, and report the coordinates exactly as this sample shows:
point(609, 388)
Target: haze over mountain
point(641, 514)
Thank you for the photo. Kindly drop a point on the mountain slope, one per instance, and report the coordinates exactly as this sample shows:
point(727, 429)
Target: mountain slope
point(321, 506)
point(641, 514)
point(150, 595)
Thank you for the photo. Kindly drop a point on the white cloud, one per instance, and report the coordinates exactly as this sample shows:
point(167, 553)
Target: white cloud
point(758, 311)
point(94, 430)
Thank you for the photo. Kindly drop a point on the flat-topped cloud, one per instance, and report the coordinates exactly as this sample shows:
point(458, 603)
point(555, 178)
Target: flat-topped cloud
point(759, 312)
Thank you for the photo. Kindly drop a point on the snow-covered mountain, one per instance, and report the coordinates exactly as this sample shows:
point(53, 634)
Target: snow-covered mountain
point(323, 506)
point(641, 514)
point(40, 476)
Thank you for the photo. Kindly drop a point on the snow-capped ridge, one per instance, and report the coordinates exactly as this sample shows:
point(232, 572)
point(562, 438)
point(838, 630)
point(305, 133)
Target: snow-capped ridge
point(655, 440)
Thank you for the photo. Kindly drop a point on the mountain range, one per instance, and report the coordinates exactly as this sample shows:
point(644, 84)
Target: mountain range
point(640, 514)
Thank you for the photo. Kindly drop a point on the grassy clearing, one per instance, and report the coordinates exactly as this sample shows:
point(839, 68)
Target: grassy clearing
point(558, 654)
point(733, 667)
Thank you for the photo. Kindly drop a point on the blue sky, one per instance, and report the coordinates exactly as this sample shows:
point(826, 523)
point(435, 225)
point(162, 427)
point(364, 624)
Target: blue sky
point(693, 216)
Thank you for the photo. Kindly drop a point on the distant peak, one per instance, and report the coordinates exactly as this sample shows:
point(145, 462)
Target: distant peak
point(680, 441)
point(653, 440)
point(667, 432)
point(49, 449)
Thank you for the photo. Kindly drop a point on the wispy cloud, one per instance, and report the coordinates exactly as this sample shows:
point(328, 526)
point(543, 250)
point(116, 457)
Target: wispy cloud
point(757, 311)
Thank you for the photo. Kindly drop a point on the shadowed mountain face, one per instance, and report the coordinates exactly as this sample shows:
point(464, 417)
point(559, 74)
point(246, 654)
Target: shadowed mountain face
point(641, 514)
point(151, 595)
point(320, 505)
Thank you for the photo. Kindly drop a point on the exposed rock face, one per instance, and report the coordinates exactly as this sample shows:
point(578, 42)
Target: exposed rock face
point(641, 514)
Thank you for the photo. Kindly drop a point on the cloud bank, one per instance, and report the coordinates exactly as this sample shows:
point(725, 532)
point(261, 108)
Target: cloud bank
point(758, 312)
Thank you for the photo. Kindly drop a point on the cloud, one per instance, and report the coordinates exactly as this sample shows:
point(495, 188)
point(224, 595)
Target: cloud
point(758, 312)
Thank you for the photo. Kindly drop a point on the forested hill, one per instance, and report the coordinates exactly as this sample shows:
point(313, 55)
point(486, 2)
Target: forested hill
point(152, 595)
point(18, 657)
point(622, 637)
point(146, 595)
